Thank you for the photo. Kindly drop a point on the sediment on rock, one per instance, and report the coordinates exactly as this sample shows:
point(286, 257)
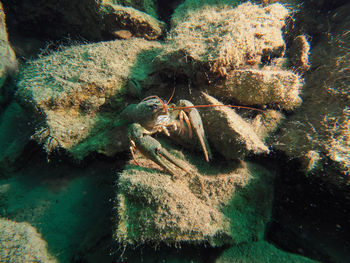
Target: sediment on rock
point(230, 134)
point(78, 91)
point(236, 53)
point(318, 133)
point(118, 18)
point(20, 242)
point(277, 88)
point(214, 206)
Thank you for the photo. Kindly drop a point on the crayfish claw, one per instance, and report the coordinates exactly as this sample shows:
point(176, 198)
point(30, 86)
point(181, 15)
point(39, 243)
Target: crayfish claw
point(152, 149)
point(195, 121)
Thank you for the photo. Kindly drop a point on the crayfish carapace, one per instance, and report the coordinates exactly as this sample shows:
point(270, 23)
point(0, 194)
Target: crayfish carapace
point(154, 115)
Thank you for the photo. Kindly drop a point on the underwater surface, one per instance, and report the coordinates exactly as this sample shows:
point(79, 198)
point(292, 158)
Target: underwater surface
point(174, 131)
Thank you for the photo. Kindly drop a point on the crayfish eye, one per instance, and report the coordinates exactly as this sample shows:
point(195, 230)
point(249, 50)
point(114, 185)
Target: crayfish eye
point(153, 107)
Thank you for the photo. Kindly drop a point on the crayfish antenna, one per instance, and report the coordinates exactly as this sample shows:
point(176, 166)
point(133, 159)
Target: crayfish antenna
point(172, 95)
point(215, 105)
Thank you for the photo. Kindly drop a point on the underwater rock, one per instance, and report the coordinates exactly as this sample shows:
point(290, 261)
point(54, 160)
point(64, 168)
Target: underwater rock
point(322, 124)
point(231, 135)
point(77, 92)
point(217, 205)
point(139, 24)
point(228, 47)
point(266, 122)
point(225, 38)
point(20, 242)
point(299, 54)
point(279, 88)
point(259, 252)
point(7, 55)
point(47, 19)
point(147, 6)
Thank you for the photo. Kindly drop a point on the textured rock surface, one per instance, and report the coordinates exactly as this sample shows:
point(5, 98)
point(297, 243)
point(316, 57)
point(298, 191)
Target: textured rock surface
point(33, 23)
point(318, 132)
point(234, 52)
point(117, 18)
point(214, 205)
point(222, 36)
point(7, 56)
point(20, 242)
point(147, 6)
point(78, 91)
point(259, 252)
point(272, 87)
point(230, 134)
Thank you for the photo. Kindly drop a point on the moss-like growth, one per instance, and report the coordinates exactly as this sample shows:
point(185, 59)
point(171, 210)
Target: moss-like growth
point(77, 91)
point(279, 88)
point(225, 37)
point(20, 242)
point(118, 18)
point(213, 205)
point(231, 135)
point(234, 52)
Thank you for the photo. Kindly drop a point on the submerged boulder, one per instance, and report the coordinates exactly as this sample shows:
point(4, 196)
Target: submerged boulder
point(231, 135)
point(77, 92)
point(20, 242)
point(125, 22)
point(234, 52)
point(210, 204)
point(48, 19)
point(7, 55)
point(318, 133)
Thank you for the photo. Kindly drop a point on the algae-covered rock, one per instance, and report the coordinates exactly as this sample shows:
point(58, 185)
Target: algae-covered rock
point(118, 18)
point(318, 133)
point(222, 36)
point(7, 55)
point(78, 91)
point(299, 54)
point(231, 135)
point(259, 252)
point(227, 48)
point(275, 87)
point(20, 242)
point(148, 6)
point(266, 122)
point(216, 205)
point(48, 19)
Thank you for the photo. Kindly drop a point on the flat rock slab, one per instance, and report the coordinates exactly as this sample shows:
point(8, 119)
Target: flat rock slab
point(214, 205)
point(274, 87)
